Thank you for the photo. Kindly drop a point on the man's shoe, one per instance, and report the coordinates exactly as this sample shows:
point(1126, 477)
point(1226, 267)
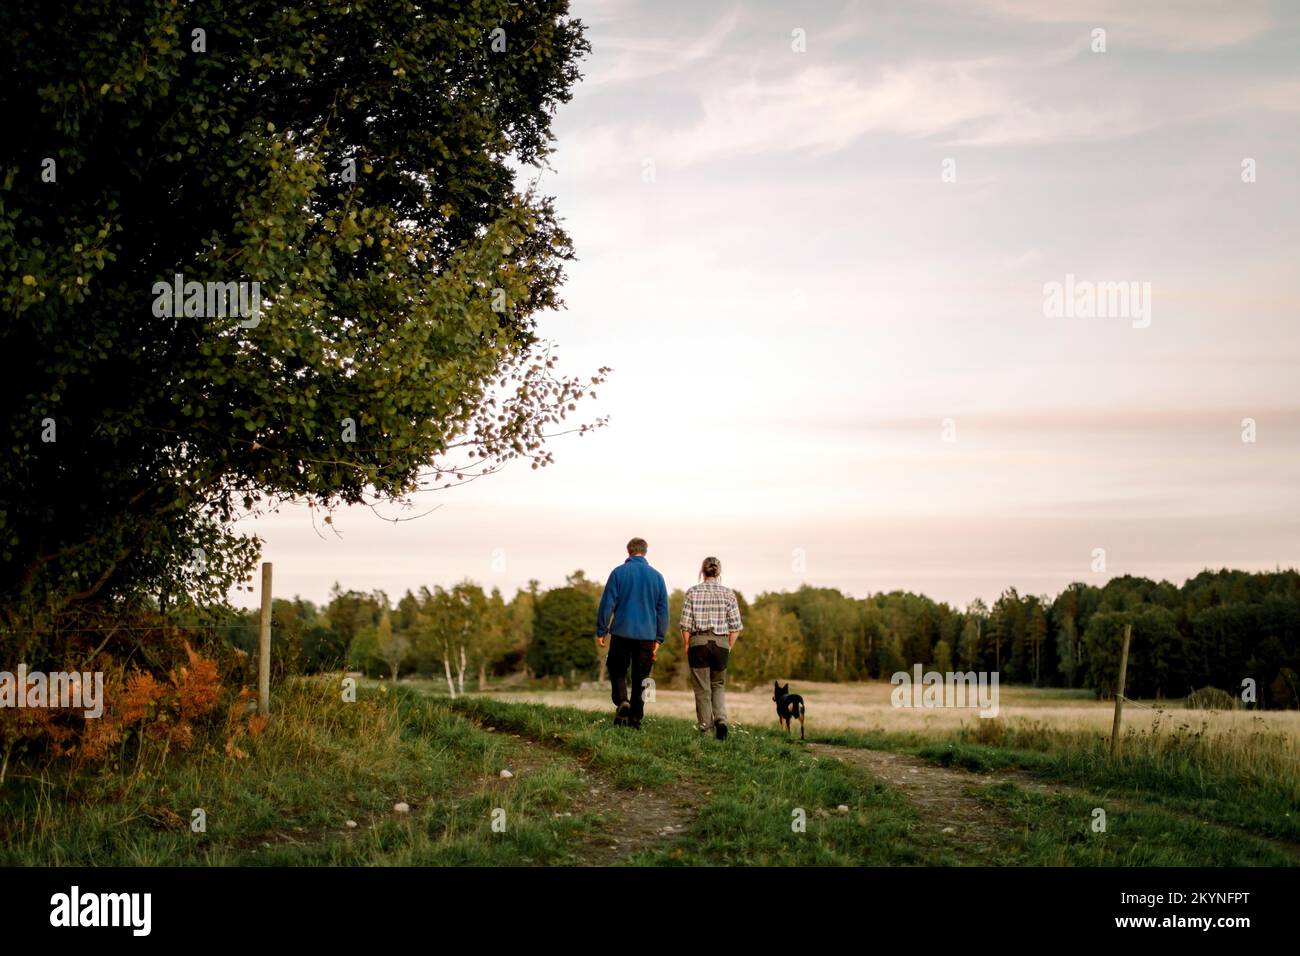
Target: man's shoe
point(620, 715)
point(634, 724)
point(720, 730)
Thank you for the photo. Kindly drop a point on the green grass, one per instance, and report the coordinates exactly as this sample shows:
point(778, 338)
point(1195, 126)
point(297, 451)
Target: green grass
point(744, 793)
point(1058, 830)
point(1245, 783)
point(1180, 774)
point(323, 762)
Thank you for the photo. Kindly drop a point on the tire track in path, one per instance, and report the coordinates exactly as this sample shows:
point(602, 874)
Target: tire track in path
point(631, 820)
point(940, 796)
point(943, 797)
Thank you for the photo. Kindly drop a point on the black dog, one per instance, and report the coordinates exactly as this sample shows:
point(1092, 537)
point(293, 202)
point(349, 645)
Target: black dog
point(788, 706)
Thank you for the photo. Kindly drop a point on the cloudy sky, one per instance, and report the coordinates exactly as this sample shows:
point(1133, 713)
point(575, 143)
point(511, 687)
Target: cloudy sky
point(815, 240)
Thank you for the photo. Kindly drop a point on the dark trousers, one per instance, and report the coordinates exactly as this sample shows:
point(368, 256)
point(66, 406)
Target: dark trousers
point(622, 652)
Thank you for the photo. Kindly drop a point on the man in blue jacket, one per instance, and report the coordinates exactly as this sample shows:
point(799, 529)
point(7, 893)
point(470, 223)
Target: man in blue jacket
point(634, 612)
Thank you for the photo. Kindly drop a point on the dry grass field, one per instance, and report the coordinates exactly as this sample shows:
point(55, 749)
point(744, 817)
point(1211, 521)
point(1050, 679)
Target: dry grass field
point(866, 707)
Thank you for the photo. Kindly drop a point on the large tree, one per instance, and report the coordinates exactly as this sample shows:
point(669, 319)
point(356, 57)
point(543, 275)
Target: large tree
point(564, 630)
point(360, 162)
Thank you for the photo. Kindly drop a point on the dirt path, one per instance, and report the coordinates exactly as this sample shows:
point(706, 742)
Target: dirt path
point(939, 794)
point(945, 798)
point(631, 820)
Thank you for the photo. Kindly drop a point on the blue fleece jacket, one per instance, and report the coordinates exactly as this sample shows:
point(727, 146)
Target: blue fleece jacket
point(635, 602)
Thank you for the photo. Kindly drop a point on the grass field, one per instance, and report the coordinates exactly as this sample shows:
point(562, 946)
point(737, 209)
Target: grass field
point(866, 707)
point(320, 786)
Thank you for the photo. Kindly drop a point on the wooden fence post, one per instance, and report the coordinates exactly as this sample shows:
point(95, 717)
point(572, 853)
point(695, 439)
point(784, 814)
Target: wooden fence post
point(264, 646)
point(1119, 694)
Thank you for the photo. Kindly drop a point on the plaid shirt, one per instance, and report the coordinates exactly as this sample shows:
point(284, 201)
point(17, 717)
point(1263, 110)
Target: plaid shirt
point(710, 607)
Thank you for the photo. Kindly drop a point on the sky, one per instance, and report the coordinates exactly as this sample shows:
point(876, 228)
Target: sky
point(817, 244)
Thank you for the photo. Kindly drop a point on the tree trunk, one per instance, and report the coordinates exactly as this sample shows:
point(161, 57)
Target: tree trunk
point(482, 676)
point(446, 666)
point(460, 671)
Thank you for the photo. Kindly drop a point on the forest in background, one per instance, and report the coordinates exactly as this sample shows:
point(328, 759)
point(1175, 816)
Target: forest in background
point(1218, 629)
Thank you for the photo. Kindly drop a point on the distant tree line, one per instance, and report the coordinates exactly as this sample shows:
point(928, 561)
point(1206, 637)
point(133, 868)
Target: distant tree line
point(1218, 629)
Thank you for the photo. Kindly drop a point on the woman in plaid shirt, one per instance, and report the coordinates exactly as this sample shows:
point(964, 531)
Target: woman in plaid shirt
point(710, 624)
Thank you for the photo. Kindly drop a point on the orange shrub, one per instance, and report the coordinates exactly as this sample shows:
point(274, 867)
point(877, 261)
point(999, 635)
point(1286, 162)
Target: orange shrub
point(138, 705)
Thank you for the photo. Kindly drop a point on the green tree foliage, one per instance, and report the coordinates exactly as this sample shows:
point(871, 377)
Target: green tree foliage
point(357, 632)
point(1158, 659)
point(670, 666)
point(392, 647)
point(578, 579)
point(364, 653)
point(890, 660)
point(289, 621)
point(564, 633)
point(1218, 629)
point(359, 162)
point(771, 646)
point(1038, 652)
point(833, 633)
point(968, 648)
point(519, 627)
point(1007, 633)
point(942, 658)
point(1068, 610)
point(463, 630)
